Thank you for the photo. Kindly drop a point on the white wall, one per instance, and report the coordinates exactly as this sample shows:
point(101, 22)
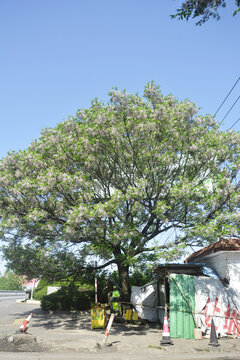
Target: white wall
point(227, 265)
point(215, 301)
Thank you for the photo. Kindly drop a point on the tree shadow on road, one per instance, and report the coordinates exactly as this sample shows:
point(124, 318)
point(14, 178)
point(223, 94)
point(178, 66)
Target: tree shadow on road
point(80, 320)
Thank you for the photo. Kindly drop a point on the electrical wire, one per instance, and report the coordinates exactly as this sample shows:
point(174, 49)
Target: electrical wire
point(230, 110)
point(227, 96)
point(234, 124)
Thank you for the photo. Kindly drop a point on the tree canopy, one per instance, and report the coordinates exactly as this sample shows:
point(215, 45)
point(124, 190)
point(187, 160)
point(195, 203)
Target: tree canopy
point(203, 9)
point(108, 181)
point(11, 281)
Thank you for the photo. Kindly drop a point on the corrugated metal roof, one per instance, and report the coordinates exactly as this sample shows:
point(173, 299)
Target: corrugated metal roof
point(189, 269)
point(222, 245)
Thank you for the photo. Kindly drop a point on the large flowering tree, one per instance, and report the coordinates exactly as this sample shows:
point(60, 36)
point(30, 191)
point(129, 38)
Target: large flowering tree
point(203, 9)
point(108, 181)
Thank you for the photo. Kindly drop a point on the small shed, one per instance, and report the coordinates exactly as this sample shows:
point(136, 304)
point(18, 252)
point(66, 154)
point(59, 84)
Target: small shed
point(191, 295)
point(179, 296)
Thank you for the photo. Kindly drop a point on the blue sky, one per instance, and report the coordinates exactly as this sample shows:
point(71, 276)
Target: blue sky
point(56, 56)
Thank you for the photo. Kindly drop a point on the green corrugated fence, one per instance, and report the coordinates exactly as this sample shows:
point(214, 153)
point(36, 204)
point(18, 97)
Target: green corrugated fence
point(182, 306)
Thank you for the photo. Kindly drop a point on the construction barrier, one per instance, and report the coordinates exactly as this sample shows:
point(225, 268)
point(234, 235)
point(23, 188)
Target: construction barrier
point(24, 326)
point(135, 316)
point(128, 314)
point(131, 315)
point(98, 318)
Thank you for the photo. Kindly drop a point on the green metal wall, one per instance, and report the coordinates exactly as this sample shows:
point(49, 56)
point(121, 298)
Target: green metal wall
point(182, 306)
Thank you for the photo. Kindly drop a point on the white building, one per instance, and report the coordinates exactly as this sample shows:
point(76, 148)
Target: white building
point(223, 257)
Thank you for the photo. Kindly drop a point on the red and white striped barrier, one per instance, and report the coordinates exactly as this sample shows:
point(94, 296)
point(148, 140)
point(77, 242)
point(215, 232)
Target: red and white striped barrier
point(108, 328)
point(23, 327)
point(96, 297)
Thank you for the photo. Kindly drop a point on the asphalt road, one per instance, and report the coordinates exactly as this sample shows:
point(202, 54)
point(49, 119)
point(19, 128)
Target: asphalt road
point(9, 298)
point(12, 293)
point(12, 315)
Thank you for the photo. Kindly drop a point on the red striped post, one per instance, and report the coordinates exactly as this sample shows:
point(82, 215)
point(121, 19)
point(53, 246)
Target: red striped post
point(23, 327)
point(96, 297)
point(108, 328)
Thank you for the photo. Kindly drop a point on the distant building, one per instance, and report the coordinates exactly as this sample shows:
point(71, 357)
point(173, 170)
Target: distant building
point(30, 284)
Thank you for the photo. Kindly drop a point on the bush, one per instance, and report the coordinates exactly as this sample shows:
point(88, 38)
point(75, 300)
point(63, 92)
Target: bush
point(75, 294)
point(83, 281)
point(41, 290)
point(68, 298)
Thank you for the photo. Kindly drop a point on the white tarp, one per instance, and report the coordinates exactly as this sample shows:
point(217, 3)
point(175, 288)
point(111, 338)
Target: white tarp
point(214, 300)
point(144, 298)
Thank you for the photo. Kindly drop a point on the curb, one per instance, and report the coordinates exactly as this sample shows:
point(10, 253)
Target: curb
point(23, 301)
point(36, 302)
point(20, 301)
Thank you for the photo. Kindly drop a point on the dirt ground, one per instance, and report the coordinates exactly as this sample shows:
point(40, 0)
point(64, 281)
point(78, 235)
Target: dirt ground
point(22, 343)
point(66, 332)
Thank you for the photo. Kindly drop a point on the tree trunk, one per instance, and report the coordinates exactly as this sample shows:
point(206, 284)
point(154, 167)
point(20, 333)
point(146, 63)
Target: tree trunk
point(123, 272)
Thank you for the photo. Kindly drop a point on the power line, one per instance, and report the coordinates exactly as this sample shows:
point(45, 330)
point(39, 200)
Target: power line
point(230, 110)
point(234, 124)
point(227, 95)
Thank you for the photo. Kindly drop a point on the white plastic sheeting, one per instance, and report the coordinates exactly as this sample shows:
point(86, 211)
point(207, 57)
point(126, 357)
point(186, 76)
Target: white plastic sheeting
point(145, 300)
point(234, 277)
point(214, 300)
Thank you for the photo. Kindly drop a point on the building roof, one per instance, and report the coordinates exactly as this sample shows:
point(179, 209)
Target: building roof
point(222, 245)
point(188, 269)
point(29, 282)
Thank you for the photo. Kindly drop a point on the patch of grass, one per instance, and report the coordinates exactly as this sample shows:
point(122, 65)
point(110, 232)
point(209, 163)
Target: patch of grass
point(155, 347)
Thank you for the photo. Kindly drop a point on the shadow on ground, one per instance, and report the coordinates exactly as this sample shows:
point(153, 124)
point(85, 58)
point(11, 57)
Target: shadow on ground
point(81, 320)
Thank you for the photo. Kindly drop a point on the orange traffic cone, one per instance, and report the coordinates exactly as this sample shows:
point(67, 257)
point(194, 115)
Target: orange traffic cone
point(166, 340)
point(213, 335)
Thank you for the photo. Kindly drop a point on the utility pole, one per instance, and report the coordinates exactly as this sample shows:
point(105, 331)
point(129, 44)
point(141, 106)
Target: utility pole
point(96, 297)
